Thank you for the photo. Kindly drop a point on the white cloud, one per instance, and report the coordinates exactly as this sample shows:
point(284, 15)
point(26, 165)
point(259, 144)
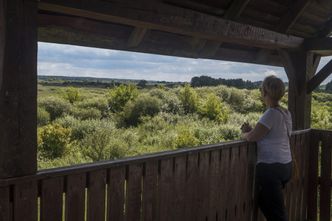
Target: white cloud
point(55, 59)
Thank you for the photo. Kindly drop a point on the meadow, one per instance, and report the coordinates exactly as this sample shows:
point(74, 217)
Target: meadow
point(88, 124)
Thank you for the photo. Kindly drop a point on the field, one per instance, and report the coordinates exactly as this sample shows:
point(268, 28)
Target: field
point(86, 123)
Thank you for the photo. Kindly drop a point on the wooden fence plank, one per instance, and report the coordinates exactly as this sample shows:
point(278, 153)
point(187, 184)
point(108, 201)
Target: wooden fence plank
point(203, 185)
point(96, 195)
point(5, 204)
point(75, 197)
point(191, 195)
point(325, 185)
point(313, 176)
point(51, 199)
point(134, 191)
point(116, 192)
point(179, 188)
point(150, 194)
point(25, 201)
point(213, 185)
point(166, 186)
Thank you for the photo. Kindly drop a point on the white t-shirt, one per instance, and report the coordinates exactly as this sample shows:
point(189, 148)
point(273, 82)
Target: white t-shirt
point(274, 146)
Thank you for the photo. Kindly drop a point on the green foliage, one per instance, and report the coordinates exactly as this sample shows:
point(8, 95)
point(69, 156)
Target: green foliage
point(119, 96)
point(213, 109)
point(99, 145)
point(158, 120)
point(144, 105)
point(189, 99)
point(321, 117)
point(55, 106)
point(100, 104)
point(53, 140)
point(72, 94)
point(43, 117)
point(85, 114)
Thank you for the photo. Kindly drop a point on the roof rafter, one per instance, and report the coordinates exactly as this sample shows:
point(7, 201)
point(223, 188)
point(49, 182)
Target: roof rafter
point(316, 80)
point(89, 33)
point(236, 9)
point(321, 46)
point(173, 20)
point(292, 15)
point(136, 37)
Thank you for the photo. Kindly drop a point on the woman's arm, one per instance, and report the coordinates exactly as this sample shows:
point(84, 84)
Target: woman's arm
point(256, 134)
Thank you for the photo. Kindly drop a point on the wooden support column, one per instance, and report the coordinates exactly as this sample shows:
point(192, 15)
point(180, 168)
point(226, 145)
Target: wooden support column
point(18, 87)
point(300, 66)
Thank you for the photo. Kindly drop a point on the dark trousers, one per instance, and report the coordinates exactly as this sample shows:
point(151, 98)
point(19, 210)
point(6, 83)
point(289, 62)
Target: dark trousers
point(271, 179)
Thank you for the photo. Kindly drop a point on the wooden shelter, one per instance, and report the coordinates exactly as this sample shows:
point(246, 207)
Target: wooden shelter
point(290, 34)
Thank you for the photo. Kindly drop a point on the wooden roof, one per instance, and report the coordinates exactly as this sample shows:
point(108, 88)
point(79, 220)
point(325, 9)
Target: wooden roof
point(250, 31)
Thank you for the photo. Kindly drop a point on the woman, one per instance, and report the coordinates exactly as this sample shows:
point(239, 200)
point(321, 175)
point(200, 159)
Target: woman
point(274, 160)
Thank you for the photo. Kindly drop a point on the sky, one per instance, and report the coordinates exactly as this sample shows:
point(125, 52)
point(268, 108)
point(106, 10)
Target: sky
point(68, 60)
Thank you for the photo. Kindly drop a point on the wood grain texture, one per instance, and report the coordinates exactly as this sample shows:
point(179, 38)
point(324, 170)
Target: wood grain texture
point(52, 199)
point(116, 193)
point(25, 201)
point(96, 195)
point(18, 88)
point(5, 204)
point(75, 197)
point(150, 191)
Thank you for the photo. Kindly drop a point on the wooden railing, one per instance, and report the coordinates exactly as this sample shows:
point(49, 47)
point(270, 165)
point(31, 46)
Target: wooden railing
point(213, 182)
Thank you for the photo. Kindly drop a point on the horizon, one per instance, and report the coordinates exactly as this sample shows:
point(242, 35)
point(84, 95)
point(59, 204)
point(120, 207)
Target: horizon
point(77, 61)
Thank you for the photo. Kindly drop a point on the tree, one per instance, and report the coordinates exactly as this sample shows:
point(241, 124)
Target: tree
point(72, 94)
point(213, 109)
point(119, 96)
point(189, 99)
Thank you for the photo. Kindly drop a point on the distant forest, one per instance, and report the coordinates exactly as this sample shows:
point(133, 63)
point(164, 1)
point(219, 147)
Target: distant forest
point(201, 81)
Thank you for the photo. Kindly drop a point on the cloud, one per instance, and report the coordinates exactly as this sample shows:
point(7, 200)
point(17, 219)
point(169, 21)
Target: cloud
point(56, 59)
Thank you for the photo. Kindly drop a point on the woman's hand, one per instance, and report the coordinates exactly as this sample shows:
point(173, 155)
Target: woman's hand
point(245, 128)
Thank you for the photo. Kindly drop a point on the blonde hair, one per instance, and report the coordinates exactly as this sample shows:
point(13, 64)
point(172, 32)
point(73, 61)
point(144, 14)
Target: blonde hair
point(273, 87)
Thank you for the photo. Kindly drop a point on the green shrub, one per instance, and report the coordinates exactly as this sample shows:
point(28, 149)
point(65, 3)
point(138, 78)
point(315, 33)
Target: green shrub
point(43, 117)
point(55, 106)
point(321, 117)
point(189, 99)
point(185, 137)
point(144, 105)
point(119, 96)
point(85, 114)
point(100, 104)
point(54, 140)
point(72, 94)
point(213, 109)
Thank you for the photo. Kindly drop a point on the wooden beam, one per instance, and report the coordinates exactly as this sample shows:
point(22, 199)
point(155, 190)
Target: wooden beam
point(322, 46)
point(85, 32)
point(18, 88)
point(209, 49)
point(327, 30)
point(300, 67)
point(236, 9)
point(136, 37)
point(316, 80)
point(171, 19)
point(290, 18)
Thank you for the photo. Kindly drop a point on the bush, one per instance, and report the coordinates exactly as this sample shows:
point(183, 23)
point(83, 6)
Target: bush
point(189, 99)
point(54, 141)
point(185, 137)
point(119, 96)
point(72, 94)
point(100, 104)
point(213, 109)
point(143, 106)
point(43, 117)
point(85, 114)
point(55, 106)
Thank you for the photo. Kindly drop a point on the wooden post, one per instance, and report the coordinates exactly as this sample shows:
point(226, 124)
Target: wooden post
point(18, 87)
point(300, 66)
